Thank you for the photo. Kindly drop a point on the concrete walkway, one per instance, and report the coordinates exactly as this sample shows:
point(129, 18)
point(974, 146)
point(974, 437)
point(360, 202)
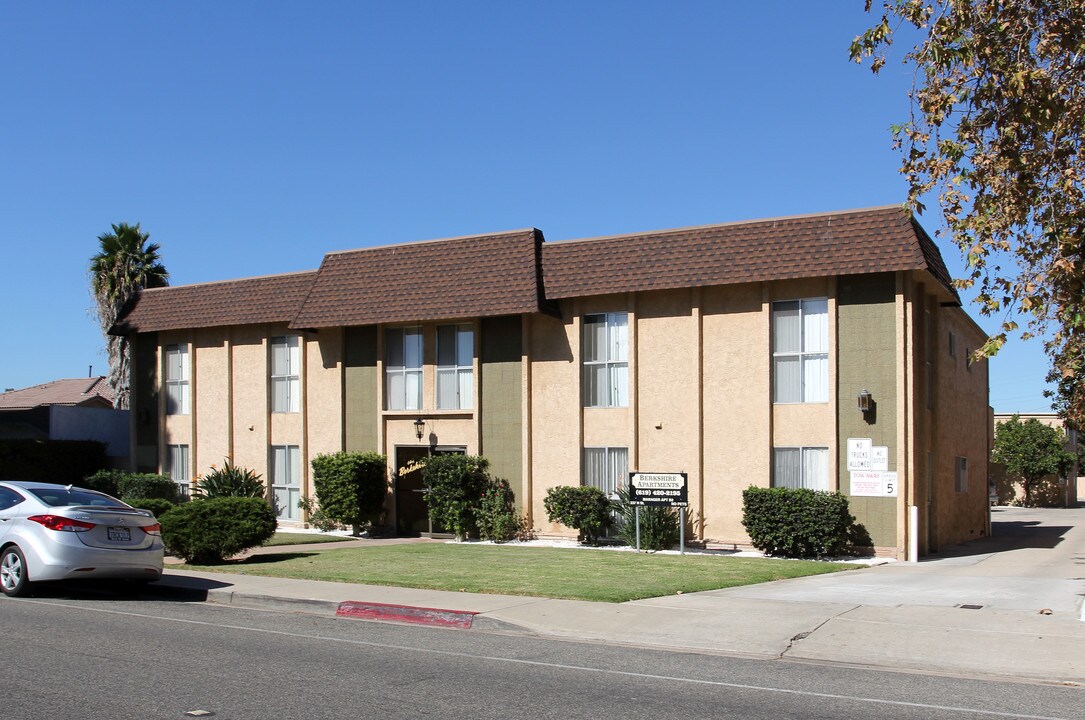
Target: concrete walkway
point(1009, 606)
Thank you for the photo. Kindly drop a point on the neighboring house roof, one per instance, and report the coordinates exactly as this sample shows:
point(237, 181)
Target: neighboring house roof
point(511, 273)
point(476, 276)
point(268, 299)
point(828, 244)
point(92, 392)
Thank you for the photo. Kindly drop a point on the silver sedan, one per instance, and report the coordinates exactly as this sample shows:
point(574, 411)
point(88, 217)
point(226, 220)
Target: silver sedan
point(61, 532)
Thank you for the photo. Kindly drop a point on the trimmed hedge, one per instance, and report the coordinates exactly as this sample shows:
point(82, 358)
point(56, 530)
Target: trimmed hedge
point(496, 517)
point(796, 522)
point(129, 486)
point(206, 532)
point(582, 507)
point(351, 488)
point(456, 486)
point(57, 461)
point(156, 505)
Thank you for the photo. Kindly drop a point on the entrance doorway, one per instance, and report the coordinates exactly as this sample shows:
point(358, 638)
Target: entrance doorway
point(412, 514)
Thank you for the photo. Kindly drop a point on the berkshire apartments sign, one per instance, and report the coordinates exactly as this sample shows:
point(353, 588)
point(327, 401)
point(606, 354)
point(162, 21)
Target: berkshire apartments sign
point(659, 489)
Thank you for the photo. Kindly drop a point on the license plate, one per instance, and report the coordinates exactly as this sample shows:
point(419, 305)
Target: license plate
point(120, 534)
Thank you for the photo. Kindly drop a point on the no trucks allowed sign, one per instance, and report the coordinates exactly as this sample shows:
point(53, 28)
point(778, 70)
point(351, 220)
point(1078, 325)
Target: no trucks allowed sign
point(658, 489)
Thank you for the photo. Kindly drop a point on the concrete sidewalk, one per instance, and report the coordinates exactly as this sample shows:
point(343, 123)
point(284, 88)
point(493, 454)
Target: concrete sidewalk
point(1005, 606)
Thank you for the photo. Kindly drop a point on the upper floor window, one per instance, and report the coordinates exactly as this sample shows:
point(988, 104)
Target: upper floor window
point(403, 368)
point(285, 362)
point(606, 360)
point(800, 351)
point(178, 397)
point(455, 370)
point(960, 476)
point(800, 467)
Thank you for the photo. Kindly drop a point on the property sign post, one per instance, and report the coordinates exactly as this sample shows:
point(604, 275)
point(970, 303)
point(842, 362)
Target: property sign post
point(660, 490)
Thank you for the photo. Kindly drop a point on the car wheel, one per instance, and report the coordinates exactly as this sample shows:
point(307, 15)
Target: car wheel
point(13, 580)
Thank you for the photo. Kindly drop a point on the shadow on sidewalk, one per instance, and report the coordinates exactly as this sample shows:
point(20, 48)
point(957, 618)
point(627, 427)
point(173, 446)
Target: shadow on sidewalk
point(1007, 535)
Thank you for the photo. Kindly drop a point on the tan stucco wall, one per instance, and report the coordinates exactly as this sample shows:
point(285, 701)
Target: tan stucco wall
point(250, 398)
point(737, 405)
point(210, 359)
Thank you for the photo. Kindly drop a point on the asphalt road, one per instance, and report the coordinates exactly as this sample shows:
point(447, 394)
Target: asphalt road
point(71, 654)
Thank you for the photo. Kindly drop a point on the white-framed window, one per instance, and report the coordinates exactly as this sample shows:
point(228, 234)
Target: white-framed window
point(403, 368)
point(455, 370)
point(800, 467)
point(285, 367)
point(605, 468)
point(960, 476)
point(800, 351)
point(606, 360)
point(286, 480)
point(178, 395)
point(177, 468)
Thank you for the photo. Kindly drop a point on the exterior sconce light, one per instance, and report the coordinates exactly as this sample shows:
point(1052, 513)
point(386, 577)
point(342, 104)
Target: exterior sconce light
point(864, 401)
point(419, 428)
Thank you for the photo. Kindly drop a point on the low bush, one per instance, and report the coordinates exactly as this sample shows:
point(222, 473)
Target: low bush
point(230, 481)
point(351, 488)
point(316, 515)
point(658, 525)
point(207, 532)
point(496, 516)
point(156, 505)
point(146, 485)
point(585, 508)
point(796, 522)
point(456, 485)
point(105, 481)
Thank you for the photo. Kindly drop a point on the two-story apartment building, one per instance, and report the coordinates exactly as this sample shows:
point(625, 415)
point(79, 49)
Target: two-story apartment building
point(737, 353)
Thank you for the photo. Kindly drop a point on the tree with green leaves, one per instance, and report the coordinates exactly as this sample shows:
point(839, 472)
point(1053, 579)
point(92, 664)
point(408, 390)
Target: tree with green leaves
point(126, 263)
point(996, 132)
point(1031, 451)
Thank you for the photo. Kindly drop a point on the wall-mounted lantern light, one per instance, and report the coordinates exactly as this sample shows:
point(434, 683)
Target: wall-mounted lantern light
point(864, 401)
point(419, 428)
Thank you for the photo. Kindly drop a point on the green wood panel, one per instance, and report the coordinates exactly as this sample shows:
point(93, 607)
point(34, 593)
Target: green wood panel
point(360, 381)
point(501, 411)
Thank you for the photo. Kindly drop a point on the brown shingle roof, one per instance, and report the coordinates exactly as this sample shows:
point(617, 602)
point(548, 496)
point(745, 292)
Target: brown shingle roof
point(477, 276)
point(93, 392)
point(274, 298)
point(829, 244)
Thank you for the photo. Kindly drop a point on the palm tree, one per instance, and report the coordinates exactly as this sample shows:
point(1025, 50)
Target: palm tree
point(125, 264)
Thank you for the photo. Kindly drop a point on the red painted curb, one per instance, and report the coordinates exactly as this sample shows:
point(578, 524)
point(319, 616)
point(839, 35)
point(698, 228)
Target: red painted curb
point(406, 613)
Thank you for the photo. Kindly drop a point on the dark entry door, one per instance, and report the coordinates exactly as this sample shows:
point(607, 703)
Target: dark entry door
point(412, 517)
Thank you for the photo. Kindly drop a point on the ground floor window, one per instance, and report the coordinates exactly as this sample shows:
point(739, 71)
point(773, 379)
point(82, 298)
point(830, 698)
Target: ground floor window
point(605, 468)
point(178, 469)
point(800, 467)
point(286, 480)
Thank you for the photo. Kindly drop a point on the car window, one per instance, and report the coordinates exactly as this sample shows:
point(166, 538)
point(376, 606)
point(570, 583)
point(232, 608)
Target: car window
point(9, 498)
point(60, 497)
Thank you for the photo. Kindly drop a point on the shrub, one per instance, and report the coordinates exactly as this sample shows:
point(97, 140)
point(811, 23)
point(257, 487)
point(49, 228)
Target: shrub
point(496, 516)
point(316, 515)
point(206, 532)
point(156, 505)
point(658, 525)
point(796, 522)
point(146, 485)
point(585, 508)
point(456, 484)
point(351, 488)
point(230, 481)
point(105, 481)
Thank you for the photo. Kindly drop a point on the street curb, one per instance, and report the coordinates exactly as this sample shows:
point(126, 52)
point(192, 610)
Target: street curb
point(462, 619)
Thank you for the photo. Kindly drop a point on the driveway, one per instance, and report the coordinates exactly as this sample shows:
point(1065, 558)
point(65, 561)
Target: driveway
point(1033, 561)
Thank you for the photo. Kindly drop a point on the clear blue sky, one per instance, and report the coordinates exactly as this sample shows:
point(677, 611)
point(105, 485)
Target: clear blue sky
point(250, 138)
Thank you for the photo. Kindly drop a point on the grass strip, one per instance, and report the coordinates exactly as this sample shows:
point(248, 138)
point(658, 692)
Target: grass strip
point(576, 574)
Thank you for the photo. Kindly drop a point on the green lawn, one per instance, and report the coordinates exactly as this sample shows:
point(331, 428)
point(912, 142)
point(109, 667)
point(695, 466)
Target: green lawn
point(600, 575)
point(288, 538)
